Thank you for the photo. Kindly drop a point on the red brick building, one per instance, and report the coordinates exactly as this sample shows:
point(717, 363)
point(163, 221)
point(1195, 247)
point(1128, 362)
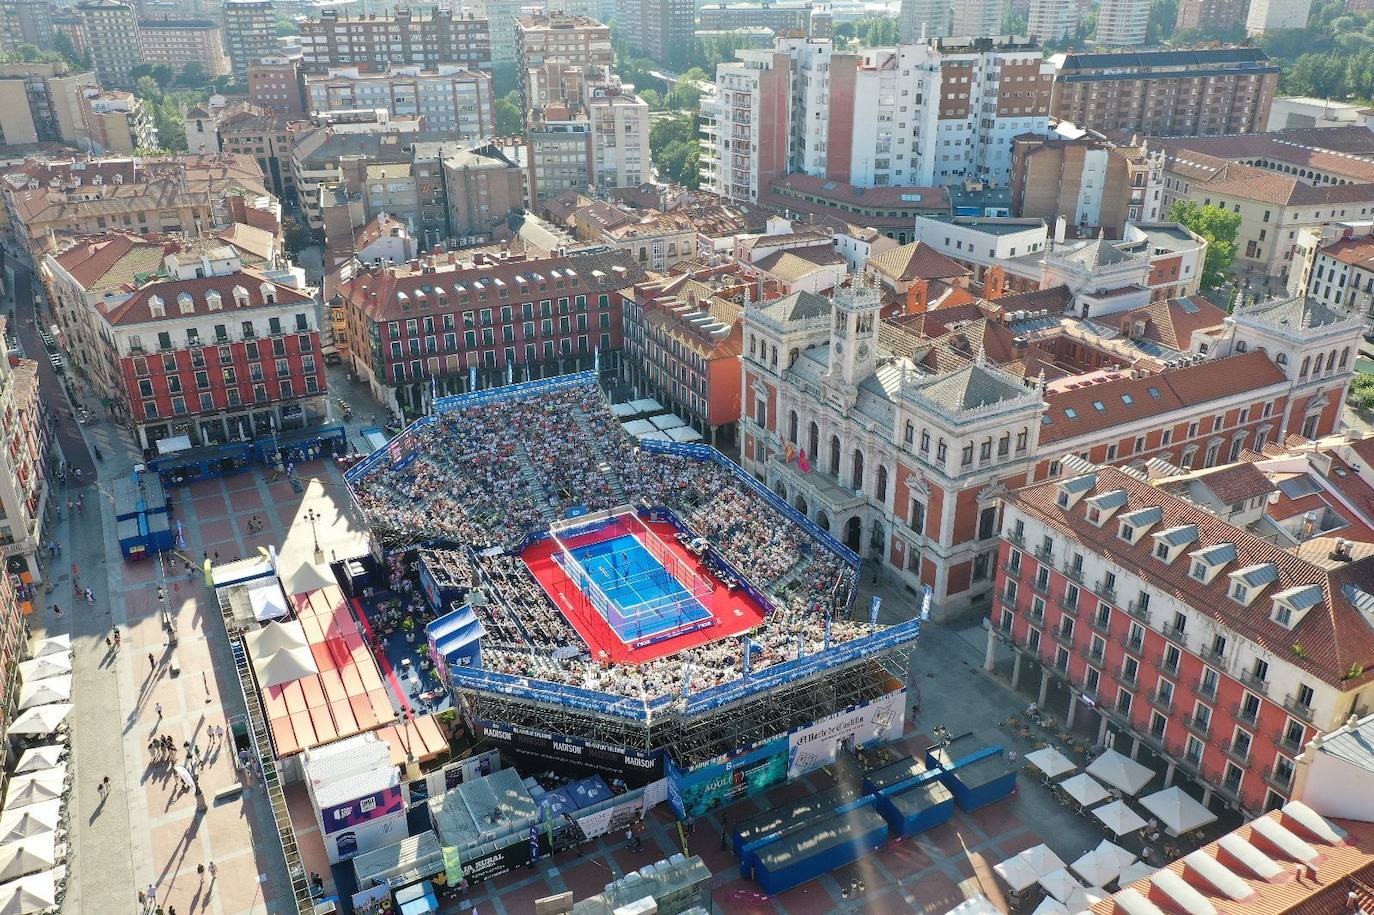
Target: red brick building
point(1190, 637)
point(430, 326)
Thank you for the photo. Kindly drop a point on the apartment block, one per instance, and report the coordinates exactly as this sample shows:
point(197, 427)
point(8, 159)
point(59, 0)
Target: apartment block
point(405, 38)
point(111, 37)
point(922, 20)
point(1093, 184)
point(41, 103)
point(662, 30)
point(118, 122)
point(25, 444)
point(275, 82)
point(1277, 16)
point(1191, 92)
point(978, 18)
point(250, 32)
point(784, 16)
point(1052, 20)
point(177, 42)
point(482, 186)
point(746, 125)
point(449, 98)
point(1210, 15)
point(579, 40)
point(25, 22)
point(1122, 23)
point(500, 16)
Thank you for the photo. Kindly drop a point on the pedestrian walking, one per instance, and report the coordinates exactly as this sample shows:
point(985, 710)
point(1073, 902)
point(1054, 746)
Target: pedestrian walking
point(724, 830)
point(200, 871)
point(116, 637)
point(57, 611)
point(213, 870)
point(106, 784)
point(109, 643)
point(142, 901)
point(152, 664)
point(158, 708)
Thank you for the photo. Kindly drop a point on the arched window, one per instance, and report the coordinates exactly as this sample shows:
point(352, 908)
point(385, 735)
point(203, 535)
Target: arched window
point(1281, 359)
point(1345, 357)
point(813, 442)
point(909, 434)
point(792, 357)
point(880, 487)
point(857, 476)
point(1306, 364)
point(1242, 346)
point(1331, 360)
point(834, 455)
point(792, 426)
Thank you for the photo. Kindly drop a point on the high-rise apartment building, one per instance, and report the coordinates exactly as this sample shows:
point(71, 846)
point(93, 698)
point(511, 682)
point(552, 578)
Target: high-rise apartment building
point(579, 40)
point(177, 42)
point(1093, 184)
point(404, 38)
point(451, 99)
point(915, 115)
point(978, 18)
point(921, 20)
point(500, 16)
point(25, 22)
point(1122, 23)
point(41, 103)
point(1052, 20)
point(110, 28)
point(659, 29)
point(586, 129)
point(275, 82)
point(1210, 15)
point(1190, 92)
point(482, 186)
point(250, 32)
point(25, 439)
point(118, 122)
point(1277, 16)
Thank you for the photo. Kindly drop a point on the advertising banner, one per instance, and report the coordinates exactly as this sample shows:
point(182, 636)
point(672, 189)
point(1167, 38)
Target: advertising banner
point(611, 820)
point(362, 810)
point(720, 783)
point(814, 746)
point(570, 754)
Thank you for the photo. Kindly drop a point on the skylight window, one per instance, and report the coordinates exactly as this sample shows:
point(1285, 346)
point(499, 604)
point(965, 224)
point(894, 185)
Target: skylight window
point(1099, 406)
point(1071, 413)
point(1127, 399)
point(1154, 392)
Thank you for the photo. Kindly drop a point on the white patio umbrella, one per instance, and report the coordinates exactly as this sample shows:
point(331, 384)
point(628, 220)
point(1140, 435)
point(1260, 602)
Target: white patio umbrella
point(47, 666)
point(1118, 818)
point(1051, 762)
point(1060, 884)
point(1121, 772)
point(1041, 860)
point(30, 821)
point(46, 692)
point(1103, 864)
point(53, 644)
point(36, 787)
point(1133, 872)
point(1016, 874)
point(43, 719)
point(40, 757)
point(36, 759)
point(1084, 898)
point(1177, 810)
point(28, 856)
point(1084, 789)
point(1050, 906)
point(30, 894)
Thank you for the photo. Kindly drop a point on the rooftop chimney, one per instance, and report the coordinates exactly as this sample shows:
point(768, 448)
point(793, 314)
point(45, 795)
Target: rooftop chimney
point(917, 296)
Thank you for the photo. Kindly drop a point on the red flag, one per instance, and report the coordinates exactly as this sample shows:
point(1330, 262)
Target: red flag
point(803, 463)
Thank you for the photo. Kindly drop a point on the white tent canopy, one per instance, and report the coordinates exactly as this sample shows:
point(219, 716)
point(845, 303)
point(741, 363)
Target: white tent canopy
point(1084, 789)
point(1177, 810)
point(307, 577)
point(1060, 884)
point(28, 856)
point(975, 905)
point(638, 427)
point(37, 759)
point(1051, 762)
point(1103, 864)
point(34, 893)
point(646, 405)
point(53, 644)
point(1118, 818)
point(667, 421)
point(41, 720)
point(30, 821)
point(35, 787)
point(1121, 772)
point(1016, 874)
point(267, 601)
point(47, 666)
point(1084, 898)
point(274, 637)
point(1133, 872)
point(46, 692)
point(285, 666)
point(684, 434)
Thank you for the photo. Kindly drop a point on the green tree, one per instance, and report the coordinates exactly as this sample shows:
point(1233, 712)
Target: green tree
point(193, 74)
point(62, 45)
point(509, 121)
point(652, 98)
point(287, 26)
point(1163, 18)
point(1014, 22)
point(1361, 395)
point(679, 162)
point(146, 88)
point(1218, 227)
point(666, 130)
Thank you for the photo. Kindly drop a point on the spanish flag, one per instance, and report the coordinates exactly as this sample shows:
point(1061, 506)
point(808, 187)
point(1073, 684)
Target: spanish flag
point(803, 463)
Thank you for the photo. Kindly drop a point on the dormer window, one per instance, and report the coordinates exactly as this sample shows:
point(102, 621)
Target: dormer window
point(240, 297)
point(1169, 542)
point(1102, 507)
point(185, 304)
point(269, 293)
point(1128, 533)
point(1162, 551)
point(156, 307)
point(1135, 524)
point(1291, 605)
point(1240, 593)
point(1075, 488)
point(1200, 571)
point(1209, 561)
point(1247, 583)
point(213, 301)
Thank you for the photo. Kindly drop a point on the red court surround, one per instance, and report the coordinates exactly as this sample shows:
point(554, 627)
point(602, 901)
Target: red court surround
point(734, 613)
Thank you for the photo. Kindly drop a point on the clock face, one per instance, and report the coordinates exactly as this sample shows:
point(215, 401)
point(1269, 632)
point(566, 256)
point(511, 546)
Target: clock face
point(863, 350)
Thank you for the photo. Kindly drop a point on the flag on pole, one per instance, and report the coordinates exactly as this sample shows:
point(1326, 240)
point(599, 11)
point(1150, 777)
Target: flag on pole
point(472, 378)
point(453, 865)
point(927, 592)
point(873, 610)
point(803, 463)
point(596, 359)
point(510, 372)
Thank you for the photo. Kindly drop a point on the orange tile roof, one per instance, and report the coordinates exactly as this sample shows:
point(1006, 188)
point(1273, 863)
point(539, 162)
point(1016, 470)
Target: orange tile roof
point(1339, 869)
point(1237, 482)
point(137, 309)
point(1333, 634)
point(1152, 395)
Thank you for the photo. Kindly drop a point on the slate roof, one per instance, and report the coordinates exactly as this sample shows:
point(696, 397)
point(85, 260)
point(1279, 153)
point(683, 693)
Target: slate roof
point(795, 307)
point(971, 387)
point(1296, 312)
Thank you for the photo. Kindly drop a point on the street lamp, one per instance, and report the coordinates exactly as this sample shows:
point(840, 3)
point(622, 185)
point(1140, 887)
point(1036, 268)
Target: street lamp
point(312, 516)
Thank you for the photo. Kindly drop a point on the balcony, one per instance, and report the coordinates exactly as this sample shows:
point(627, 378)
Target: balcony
point(1240, 752)
point(1166, 665)
point(1299, 708)
point(1072, 570)
point(1206, 690)
point(1013, 571)
point(1090, 691)
point(1092, 655)
point(1044, 553)
point(1104, 591)
point(1279, 780)
point(1244, 715)
point(1142, 613)
point(1199, 725)
point(1064, 637)
point(1135, 645)
point(1255, 682)
point(1103, 623)
point(1129, 680)
point(1036, 615)
point(1174, 632)
point(1070, 608)
point(1162, 701)
point(1041, 587)
point(1017, 537)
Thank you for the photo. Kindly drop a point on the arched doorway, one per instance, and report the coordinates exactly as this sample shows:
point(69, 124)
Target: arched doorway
point(781, 490)
point(813, 442)
point(823, 521)
point(858, 476)
point(800, 504)
point(878, 539)
point(835, 456)
point(853, 534)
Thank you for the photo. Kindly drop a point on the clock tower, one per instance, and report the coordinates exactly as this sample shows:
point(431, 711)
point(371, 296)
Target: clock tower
point(854, 331)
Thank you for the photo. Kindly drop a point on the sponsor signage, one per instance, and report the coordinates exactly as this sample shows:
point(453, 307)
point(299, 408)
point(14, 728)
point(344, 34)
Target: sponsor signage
point(636, 769)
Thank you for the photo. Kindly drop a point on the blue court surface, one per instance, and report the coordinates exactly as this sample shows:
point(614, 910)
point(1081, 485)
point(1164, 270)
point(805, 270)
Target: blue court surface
point(632, 578)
